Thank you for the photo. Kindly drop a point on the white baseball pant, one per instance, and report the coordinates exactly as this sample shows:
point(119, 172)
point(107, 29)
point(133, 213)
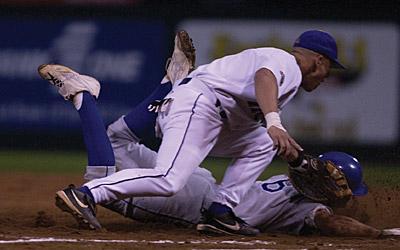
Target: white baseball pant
point(190, 126)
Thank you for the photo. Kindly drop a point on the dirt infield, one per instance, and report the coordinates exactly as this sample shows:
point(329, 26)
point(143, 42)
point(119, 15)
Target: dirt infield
point(29, 220)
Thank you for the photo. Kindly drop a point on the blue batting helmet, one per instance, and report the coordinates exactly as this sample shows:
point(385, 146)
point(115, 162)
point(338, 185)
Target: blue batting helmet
point(351, 168)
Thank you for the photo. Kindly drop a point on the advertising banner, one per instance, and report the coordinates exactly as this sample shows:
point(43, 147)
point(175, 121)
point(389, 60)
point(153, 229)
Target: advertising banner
point(358, 105)
point(125, 56)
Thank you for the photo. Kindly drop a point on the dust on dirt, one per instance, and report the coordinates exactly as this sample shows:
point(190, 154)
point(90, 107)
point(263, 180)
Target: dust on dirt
point(27, 212)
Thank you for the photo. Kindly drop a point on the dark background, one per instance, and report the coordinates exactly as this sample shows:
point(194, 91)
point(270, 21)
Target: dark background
point(171, 13)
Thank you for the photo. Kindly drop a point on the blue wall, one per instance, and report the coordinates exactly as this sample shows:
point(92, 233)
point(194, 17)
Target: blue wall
point(126, 56)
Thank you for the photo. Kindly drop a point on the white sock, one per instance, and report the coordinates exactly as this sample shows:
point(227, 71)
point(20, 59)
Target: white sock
point(77, 100)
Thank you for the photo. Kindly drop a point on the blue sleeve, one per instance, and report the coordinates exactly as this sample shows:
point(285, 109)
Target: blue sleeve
point(141, 121)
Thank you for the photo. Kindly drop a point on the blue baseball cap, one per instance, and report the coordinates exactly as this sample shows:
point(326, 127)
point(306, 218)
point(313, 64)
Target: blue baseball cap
point(320, 42)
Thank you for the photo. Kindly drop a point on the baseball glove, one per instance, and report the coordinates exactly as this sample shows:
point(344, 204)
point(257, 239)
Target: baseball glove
point(321, 181)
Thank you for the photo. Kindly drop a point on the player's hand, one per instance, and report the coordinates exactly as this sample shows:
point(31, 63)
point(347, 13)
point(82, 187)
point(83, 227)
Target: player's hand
point(287, 147)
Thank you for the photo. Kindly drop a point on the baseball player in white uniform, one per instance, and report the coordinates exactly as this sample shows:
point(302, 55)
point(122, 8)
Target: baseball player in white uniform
point(272, 205)
point(217, 111)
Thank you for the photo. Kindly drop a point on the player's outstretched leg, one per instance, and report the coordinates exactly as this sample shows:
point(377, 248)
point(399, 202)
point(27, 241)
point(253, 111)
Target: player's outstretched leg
point(81, 90)
point(219, 219)
point(183, 59)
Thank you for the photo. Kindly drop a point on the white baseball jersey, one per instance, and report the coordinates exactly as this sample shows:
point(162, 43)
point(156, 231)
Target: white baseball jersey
point(235, 74)
point(232, 78)
point(193, 127)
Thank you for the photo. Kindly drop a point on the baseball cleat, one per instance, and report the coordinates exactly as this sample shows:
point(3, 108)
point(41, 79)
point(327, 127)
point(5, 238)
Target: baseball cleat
point(68, 82)
point(183, 59)
point(225, 224)
point(79, 205)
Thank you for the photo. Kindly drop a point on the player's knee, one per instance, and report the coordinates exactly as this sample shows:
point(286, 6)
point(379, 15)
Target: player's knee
point(172, 186)
point(112, 133)
point(119, 134)
point(172, 190)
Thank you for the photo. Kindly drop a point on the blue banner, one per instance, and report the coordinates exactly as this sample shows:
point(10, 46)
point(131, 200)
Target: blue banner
point(127, 57)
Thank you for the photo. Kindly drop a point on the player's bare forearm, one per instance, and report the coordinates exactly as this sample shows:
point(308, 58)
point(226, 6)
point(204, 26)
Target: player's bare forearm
point(266, 91)
point(267, 98)
point(339, 225)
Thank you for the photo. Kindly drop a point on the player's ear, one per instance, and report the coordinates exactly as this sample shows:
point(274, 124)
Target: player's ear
point(319, 60)
point(314, 66)
point(323, 60)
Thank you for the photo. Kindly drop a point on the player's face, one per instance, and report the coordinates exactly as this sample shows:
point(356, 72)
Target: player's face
point(317, 73)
